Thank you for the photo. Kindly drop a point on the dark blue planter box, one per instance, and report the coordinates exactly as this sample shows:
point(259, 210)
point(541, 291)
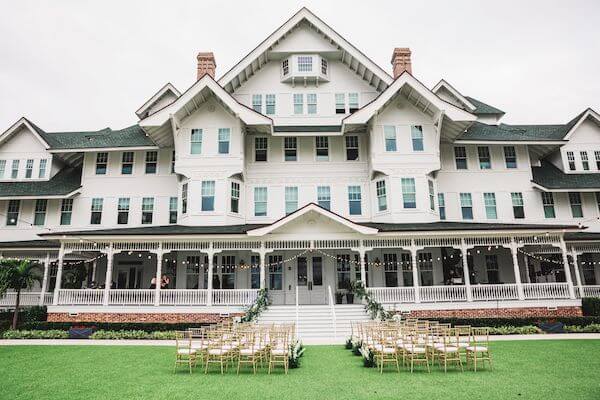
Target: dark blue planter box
point(80, 333)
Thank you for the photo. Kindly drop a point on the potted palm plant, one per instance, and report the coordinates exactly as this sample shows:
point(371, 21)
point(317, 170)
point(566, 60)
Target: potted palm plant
point(350, 292)
point(17, 275)
point(339, 297)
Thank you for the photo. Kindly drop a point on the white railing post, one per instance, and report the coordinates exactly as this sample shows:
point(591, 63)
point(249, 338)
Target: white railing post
point(415, 271)
point(517, 271)
point(563, 250)
point(262, 254)
point(465, 264)
point(45, 279)
point(209, 280)
point(159, 257)
point(59, 270)
point(575, 258)
point(109, 269)
point(332, 305)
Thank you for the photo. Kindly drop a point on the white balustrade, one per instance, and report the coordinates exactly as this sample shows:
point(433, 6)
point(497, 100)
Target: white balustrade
point(48, 298)
point(507, 291)
point(80, 296)
point(591, 291)
point(387, 295)
point(437, 294)
point(185, 297)
point(131, 296)
point(26, 299)
point(234, 297)
point(546, 290)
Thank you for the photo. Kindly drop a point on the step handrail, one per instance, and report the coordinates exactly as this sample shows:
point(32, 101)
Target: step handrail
point(332, 305)
point(297, 312)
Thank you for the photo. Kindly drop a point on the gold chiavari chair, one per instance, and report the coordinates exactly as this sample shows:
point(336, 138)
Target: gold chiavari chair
point(447, 349)
point(415, 350)
point(199, 344)
point(464, 336)
point(218, 351)
point(184, 352)
point(479, 349)
point(386, 348)
point(279, 347)
point(249, 350)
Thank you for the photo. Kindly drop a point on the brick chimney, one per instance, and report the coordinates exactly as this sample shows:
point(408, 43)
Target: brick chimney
point(401, 61)
point(206, 64)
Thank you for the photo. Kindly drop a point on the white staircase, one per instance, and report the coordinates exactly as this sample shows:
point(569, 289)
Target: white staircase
point(316, 322)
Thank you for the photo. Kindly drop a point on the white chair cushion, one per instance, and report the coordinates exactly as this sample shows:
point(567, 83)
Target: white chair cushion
point(414, 349)
point(186, 351)
point(217, 352)
point(449, 349)
point(247, 352)
point(389, 350)
point(477, 348)
point(279, 352)
point(199, 346)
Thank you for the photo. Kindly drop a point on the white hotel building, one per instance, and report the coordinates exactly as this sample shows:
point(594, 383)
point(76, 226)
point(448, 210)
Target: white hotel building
point(303, 168)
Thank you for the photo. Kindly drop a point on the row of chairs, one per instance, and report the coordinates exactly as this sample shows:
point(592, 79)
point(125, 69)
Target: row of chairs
point(421, 342)
point(236, 344)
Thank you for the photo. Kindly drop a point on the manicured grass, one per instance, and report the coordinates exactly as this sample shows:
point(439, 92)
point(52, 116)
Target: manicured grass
point(522, 369)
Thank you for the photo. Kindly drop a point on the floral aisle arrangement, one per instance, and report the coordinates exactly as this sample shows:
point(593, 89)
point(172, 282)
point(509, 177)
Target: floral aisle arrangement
point(373, 307)
point(296, 352)
point(255, 309)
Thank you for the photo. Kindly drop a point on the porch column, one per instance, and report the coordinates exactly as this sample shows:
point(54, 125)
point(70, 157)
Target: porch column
point(59, 270)
point(575, 257)
point(159, 257)
point(109, 268)
point(45, 279)
point(465, 264)
point(262, 255)
point(362, 252)
point(515, 259)
point(94, 268)
point(563, 250)
point(415, 271)
point(209, 279)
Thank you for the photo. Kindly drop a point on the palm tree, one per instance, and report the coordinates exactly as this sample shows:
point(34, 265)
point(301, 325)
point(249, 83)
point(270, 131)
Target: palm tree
point(17, 275)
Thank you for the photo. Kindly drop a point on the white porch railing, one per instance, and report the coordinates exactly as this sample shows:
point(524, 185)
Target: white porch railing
point(393, 294)
point(186, 297)
point(506, 291)
point(546, 290)
point(27, 299)
point(591, 291)
point(437, 294)
point(234, 297)
point(131, 296)
point(48, 298)
point(80, 296)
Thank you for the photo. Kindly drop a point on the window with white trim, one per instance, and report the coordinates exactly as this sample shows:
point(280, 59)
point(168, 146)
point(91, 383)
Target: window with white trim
point(291, 199)
point(184, 198)
point(311, 103)
point(466, 205)
point(596, 156)
point(173, 162)
point(173, 210)
point(323, 66)
point(425, 263)
point(322, 148)
point(305, 63)
point(66, 211)
point(485, 161)
point(340, 103)
point(571, 160)
point(151, 162)
point(96, 216)
point(489, 201)
point(390, 267)
point(389, 132)
point(352, 102)
point(224, 137)
point(14, 174)
point(548, 203)
point(510, 157)
point(460, 157)
point(351, 148)
point(518, 205)
point(354, 200)
point(492, 269)
point(2, 168)
point(416, 134)
point(257, 102)
point(260, 149)
point(196, 141)
point(127, 159)
point(431, 195)
point(275, 272)
point(260, 201)
point(29, 168)
point(575, 202)
point(208, 196)
point(123, 211)
point(585, 163)
point(235, 197)
point(12, 212)
point(39, 217)
point(324, 197)
point(381, 195)
point(101, 163)
point(285, 67)
point(147, 210)
point(290, 148)
point(298, 103)
point(409, 193)
point(441, 206)
point(270, 104)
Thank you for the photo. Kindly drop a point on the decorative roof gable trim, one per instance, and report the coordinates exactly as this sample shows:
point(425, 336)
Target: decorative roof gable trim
point(15, 127)
point(586, 114)
point(161, 92)
point(443, 84)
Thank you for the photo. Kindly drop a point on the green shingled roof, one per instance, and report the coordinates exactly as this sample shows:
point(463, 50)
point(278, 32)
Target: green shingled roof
point(64, 182)
point(550, 177)
point(132, 136)
point(481, 108)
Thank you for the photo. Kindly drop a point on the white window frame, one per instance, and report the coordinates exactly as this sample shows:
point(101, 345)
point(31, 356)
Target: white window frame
point(265, 149)
point(321, 142)
point(208, 193)
point(466, 204)
point(352, 142)
point(224, 138)
point(147, 209)
point(102, 160)
point(381, 193)
point(298, 103)
point(234, 197)
point(489, 201)
point(257, 103)
point(290, 143)
point(389, 134)
point(125, 162)
point(417, 137)
point(409, 190)
point(291, 199)
point(123, 206)
point(324, 195)
point(311, 104)
point(548, 205)
point(270, 104)
point(196, 136)
point(261, 197)
point(29, 168)
point(354, 196)
point(149, 159)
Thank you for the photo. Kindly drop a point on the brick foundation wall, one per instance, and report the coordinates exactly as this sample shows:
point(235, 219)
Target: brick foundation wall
point(531, 312)
point(142, 317)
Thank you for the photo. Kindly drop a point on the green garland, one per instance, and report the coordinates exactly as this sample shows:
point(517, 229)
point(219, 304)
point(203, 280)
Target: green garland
point(372, 306)
point(255, 309)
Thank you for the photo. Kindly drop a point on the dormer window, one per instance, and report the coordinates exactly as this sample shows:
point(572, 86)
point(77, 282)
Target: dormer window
point(305, 63)
point(304, 67)
point(323, 66)
point(285, 66)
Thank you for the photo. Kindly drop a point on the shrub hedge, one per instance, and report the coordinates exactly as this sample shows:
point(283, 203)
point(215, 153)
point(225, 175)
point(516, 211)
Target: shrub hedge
point(158, 335)
point(498, 322)
point(590, 306)
point(29, 314)
point(113, 326)
point(592, 328)
point(27, 334)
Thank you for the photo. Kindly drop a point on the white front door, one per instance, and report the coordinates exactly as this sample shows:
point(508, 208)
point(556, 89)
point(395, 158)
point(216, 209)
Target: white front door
point(309, 280)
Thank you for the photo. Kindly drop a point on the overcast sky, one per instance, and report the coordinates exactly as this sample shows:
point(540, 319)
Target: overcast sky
point(85, 65)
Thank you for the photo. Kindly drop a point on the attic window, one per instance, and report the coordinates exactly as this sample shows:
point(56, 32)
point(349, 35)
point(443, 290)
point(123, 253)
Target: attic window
point(305, 64)
point(323, 66)
point(285, 65)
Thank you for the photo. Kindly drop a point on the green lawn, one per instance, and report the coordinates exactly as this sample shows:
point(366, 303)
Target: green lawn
point(522, 369)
